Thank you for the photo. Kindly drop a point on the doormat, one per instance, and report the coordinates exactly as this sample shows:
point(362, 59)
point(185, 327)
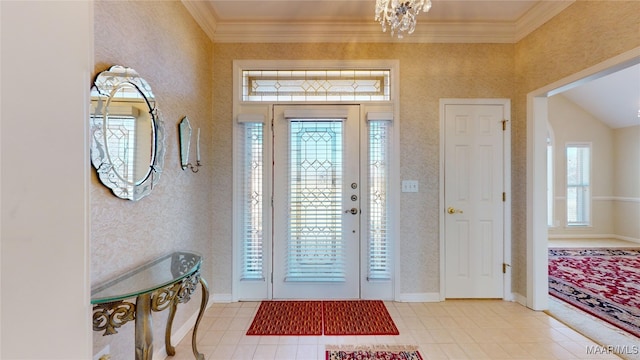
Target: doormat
point(350, 317)
point(373, 352)
point(601, 282)
point(287, 318)
point(361, 317)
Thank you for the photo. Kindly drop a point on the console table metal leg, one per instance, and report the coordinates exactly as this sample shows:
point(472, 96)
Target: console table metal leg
point(171, 350)
point(143, 328)
point(203, 306)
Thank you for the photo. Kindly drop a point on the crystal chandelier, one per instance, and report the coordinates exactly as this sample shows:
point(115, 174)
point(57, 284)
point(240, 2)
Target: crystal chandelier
point(400, 15)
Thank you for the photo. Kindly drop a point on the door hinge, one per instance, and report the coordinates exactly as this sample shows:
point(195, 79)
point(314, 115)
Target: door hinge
point(504, 196)
point(504, 267)
point(272, 278)
point(504, 125)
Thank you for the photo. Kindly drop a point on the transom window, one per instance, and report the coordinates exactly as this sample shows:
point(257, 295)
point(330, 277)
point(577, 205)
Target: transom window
point(315, 85)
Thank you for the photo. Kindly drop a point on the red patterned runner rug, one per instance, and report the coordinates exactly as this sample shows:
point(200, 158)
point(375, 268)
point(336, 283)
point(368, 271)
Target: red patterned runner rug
point(374, 352)
point(359, 317)
point(353, 317)
point(602, 282)
point(287, 318)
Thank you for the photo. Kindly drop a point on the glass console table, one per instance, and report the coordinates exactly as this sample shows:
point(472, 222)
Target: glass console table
point(156, 286)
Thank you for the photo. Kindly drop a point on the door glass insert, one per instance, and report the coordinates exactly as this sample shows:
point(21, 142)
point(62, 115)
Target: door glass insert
point(315, 241)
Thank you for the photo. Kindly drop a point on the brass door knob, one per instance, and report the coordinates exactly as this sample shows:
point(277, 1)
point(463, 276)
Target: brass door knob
point(451, 210)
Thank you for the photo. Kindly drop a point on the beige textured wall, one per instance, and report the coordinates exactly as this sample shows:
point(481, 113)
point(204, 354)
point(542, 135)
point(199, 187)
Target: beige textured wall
point(627, 169)
point(161, 41)
point(428, 72)
point(627, 164)
point(572, 124)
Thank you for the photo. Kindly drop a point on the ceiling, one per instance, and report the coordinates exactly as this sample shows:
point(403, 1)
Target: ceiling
point(615, 99)
point(502, 21)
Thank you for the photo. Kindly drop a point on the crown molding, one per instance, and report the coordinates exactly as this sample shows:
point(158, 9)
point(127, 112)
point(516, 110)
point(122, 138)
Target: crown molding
point(542, 12)
point(331, 32)
point(203, 14)
point(353, 32)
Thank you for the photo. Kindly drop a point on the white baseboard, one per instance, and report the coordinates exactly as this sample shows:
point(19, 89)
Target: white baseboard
point(509, 297)
point(178, 335)
point(627, 238)
point(520, 299)
point(593, 236)
point(221, 298)
point(419, 297)
point(176, 338)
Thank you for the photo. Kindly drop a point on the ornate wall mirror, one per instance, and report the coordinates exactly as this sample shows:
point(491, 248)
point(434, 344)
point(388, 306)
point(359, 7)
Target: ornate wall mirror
point(127, 134)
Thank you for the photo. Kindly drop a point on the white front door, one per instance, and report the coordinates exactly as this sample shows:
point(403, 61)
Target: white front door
point(316, 202)
point(473, 200)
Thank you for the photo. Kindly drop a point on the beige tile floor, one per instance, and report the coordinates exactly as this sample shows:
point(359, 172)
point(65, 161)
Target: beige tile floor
point(453, 329)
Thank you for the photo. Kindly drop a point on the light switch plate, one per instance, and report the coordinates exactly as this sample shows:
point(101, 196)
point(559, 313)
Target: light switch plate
point(409, 185)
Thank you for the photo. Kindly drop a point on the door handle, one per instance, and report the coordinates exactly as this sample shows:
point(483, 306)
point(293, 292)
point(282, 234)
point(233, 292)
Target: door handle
point(451, 210)
point(353, 211)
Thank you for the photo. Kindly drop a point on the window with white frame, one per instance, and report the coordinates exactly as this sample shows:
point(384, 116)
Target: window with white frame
point(261, 85)
point(378, 173)
point(316, 85)
point(578, 184)
point(550, 180)
point(252, 200)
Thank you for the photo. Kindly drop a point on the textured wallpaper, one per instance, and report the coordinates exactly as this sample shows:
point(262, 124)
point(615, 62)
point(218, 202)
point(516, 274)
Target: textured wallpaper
point(161, 41)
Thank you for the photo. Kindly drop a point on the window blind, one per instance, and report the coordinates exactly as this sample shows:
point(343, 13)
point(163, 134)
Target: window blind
point(315, 250)
point(578, 184)
point(252, 199)
point(379, 266)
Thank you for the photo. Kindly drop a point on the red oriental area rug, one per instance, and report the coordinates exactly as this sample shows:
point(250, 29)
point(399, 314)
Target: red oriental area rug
point(377, 352)
point(357, 317)
point(602, 282)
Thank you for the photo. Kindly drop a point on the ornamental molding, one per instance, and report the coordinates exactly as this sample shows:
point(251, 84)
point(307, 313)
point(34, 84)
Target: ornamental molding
point(370, 32)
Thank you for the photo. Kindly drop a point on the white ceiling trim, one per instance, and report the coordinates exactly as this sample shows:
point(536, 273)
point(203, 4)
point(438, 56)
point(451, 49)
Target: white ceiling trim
point(332, 32)
point(537, 16)
point(203, 15)
point(349, 32)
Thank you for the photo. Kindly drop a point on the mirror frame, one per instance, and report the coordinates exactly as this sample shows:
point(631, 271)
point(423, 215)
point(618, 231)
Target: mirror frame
point(104, 86)
point(185, 141)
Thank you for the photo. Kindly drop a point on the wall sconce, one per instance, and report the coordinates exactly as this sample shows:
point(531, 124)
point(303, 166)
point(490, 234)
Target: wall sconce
point(185, 143)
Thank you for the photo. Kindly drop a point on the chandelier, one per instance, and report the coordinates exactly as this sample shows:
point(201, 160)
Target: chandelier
point(400, 15)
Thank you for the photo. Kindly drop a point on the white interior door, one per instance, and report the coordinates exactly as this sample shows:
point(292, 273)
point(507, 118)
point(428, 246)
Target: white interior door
point(473, 200)
point(316, 202)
